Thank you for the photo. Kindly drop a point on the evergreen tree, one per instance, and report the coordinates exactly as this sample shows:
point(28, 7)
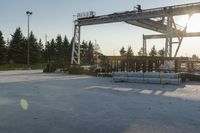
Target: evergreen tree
point(59, 50)
point(35, 49)
point(67, 53)
point(97, 53)
point(195, 57)
point(40, 44)
point(90, 53)
point(130, 51)
point(153, 51)
point(161, 52)
point(47, 52)
point(122, 51)
point(84, 53)
point(42, 51)
point(2, 49)
point(97, 48)
point(52, 51)
point(18, 48)
point(140, 53)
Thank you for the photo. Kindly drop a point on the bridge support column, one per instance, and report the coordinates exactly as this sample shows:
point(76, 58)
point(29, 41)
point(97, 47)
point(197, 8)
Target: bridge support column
point(75, 58)
point(168, 42)
point(144, 46)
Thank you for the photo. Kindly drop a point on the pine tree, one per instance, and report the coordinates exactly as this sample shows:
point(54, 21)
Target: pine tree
point(140, 53)
point(97, 48)
point(84, 53)
point(40, 44)
point(153, 51)
point(161, 52)
point(2, 49)
point(122, 51)
point(130, 51)
point(41, 49)
point(67, 53)
point(90, 53)
point(18, 48)
point(97, 53)
point(70, 50)
point(35, 49)
point(47, 52)
point(52, 50)
point(195, 57)
point(59, 50)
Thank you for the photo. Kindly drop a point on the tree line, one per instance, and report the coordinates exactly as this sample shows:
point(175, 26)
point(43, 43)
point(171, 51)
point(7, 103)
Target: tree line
point(56, 50)
point(130, 52)
point(153, 52)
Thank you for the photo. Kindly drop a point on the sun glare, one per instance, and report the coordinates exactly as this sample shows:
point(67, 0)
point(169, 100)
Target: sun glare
point(194, 23)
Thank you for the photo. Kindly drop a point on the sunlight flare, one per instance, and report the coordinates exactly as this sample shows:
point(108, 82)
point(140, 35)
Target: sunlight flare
point(24, 104)
point(194, 23)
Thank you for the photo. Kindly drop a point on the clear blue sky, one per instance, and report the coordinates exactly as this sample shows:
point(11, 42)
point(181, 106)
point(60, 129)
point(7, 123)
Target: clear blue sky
point(53, 17)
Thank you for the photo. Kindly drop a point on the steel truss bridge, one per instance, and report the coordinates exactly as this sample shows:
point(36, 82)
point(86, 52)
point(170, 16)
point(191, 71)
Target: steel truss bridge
point(160, 20)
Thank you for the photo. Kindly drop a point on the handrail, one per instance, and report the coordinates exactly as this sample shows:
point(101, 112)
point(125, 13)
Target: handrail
point(172, 7)
point(153, 9)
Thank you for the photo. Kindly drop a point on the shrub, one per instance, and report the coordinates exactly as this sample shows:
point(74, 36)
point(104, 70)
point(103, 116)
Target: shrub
point(76, 70)
point(50, 67)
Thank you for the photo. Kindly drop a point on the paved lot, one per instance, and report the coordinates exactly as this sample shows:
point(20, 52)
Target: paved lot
point(34, 102)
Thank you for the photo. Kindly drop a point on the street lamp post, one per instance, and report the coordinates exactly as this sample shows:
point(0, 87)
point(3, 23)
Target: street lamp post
point(28, 61)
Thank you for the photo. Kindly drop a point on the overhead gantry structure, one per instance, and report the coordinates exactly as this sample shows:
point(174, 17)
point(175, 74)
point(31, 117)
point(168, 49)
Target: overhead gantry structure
point(160, 20)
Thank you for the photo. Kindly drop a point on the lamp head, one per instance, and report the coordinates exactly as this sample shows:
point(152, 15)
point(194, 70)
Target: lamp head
point(29, 13)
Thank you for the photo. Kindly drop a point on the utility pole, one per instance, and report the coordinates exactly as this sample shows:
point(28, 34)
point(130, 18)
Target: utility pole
point(28, 59)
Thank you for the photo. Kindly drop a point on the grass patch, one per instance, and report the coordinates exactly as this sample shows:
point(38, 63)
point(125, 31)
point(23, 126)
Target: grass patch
point(21, 66)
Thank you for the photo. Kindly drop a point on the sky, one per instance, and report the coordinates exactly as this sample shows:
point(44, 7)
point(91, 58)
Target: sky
point(53, 17)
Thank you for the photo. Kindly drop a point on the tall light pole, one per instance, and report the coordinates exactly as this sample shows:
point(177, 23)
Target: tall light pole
point(28, 61)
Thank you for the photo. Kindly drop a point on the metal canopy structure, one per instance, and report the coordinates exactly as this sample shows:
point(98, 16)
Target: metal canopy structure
point(157, 19)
